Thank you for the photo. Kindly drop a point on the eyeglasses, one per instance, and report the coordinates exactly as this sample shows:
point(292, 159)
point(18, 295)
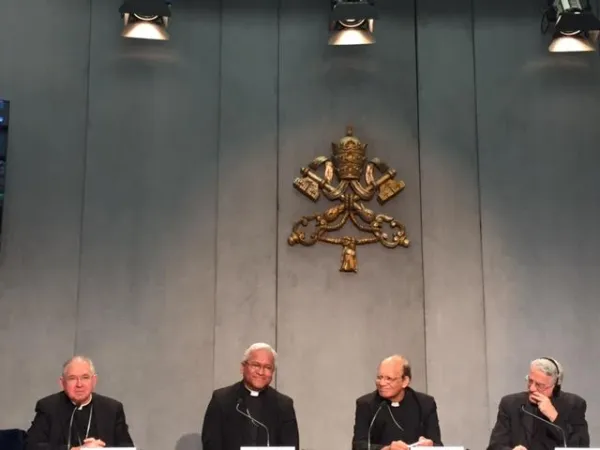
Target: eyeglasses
point(538, 386)
point(388, 380)
point(253, 365)
point(74, 379)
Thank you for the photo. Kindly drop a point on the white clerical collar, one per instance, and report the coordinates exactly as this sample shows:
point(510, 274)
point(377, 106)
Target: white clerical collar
point(395, 404)
point(83, 404)
point(253, 393)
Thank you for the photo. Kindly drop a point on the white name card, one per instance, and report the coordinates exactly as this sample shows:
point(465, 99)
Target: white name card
point(444, 448)
point(113, 448)
point(267, 448)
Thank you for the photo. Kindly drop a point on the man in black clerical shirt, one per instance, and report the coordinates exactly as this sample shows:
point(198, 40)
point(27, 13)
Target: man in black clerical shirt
point(543, 417)
point(78, 417)
point(250, 412)
point(395, 416)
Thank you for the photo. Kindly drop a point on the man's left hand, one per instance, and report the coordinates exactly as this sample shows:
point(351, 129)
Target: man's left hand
point(424, 442)
point(545, 406)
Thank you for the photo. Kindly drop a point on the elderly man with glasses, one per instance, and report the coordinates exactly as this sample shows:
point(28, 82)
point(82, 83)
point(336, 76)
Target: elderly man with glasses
point(395, 416)
point(250, 412)
point(543, 417)
point(78, 417)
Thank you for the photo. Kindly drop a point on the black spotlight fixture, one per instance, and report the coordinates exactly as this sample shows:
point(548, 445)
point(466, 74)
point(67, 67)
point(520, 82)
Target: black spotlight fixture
point(146, 19)
point(575, 26)
point(352, 22)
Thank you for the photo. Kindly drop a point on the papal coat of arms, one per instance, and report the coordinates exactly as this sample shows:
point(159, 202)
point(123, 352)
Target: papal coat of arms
point(348, 178)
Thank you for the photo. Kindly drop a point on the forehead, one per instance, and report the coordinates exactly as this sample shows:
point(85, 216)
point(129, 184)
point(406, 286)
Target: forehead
point(263, 356)
point(77, 367)
point(390, 368)
point(536, 373)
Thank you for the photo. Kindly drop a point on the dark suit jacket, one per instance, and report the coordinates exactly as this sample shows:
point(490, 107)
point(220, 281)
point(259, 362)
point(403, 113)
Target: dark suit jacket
point(513, 427)
point(222, 423)
point(366, 407)
point(50, 427)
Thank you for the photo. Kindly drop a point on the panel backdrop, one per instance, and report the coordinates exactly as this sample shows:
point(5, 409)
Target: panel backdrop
point(149, 201)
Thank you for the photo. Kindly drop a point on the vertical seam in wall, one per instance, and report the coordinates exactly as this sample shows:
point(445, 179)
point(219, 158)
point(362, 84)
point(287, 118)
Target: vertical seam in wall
point(476, 120)
point(277, 142)
point(218, 162)
point(83, 181)
point(416, 34)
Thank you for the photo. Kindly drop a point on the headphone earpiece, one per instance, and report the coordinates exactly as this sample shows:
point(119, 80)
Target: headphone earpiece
point(557, 386)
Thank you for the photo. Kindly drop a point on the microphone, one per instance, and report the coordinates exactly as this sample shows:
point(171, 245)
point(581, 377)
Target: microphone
point(372, 422)
point(562, 432)
point(255, 422)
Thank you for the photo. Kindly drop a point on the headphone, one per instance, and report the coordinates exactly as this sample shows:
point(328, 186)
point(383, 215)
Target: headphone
point(559, 374)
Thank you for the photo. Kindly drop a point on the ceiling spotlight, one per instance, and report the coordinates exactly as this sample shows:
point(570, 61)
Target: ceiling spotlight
point(146, 19)
point(352, 22)
point(574, 24)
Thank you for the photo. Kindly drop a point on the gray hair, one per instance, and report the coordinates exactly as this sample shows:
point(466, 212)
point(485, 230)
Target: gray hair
point(80, 358)
point(550, 367)
point(259, 346)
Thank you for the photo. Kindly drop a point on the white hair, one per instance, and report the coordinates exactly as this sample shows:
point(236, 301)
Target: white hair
point(259, 346)
point(550, 367)
point(80, 358)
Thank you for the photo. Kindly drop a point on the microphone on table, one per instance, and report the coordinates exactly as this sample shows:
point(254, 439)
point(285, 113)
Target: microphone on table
point(252, 419)
point(562, 432)
point(372, 422)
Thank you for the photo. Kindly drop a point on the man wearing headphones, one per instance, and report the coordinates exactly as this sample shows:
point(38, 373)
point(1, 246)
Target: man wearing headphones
point(543, 417)
point(395, 416)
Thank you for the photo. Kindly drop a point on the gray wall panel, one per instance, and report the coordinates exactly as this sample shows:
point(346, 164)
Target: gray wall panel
point(247, 237)
point(328, 322)
point(451, 234)
point(540, 205)
point(185, 180)
point(147, 277)
point(40, 250)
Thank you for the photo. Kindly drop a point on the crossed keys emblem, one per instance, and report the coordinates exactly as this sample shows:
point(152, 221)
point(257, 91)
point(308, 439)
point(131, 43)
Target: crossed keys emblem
point(348, 178)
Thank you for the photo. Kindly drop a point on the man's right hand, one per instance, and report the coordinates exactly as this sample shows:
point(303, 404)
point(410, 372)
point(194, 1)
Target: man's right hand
point(399, 445)
point(519, 447)
point(93, 443)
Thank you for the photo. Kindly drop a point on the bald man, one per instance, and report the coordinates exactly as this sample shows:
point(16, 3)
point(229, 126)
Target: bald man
point(400, 416)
